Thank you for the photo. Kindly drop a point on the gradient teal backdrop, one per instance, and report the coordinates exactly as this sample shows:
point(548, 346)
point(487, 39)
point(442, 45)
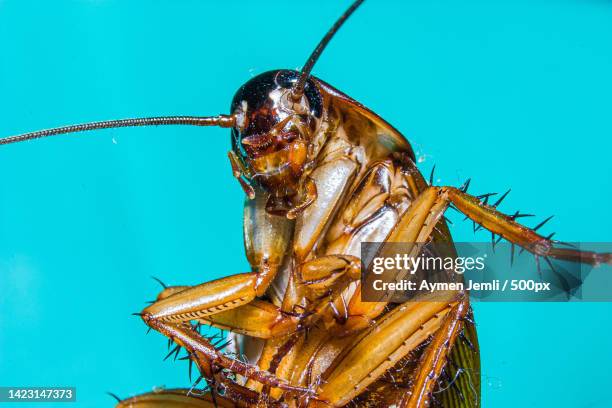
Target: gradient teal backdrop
point(511, 93)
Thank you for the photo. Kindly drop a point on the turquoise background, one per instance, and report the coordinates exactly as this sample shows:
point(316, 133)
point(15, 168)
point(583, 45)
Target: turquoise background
point(513, 94)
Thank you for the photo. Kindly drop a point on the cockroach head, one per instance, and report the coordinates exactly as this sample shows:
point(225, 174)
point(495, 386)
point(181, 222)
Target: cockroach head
point(274, 118)
point(272, 132)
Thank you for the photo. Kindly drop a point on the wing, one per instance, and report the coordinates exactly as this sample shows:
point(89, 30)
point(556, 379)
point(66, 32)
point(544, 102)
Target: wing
point(461, 385)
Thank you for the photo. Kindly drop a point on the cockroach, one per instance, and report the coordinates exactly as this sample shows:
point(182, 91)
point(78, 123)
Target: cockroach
point(322, 174)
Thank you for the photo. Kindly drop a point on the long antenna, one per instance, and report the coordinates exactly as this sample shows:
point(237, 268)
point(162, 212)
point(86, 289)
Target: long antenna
point(220, 120)
point(298, 88)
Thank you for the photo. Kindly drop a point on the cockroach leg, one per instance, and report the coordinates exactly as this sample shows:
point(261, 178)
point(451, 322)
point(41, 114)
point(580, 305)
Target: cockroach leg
point(169, 291)
point(256, 318)
point(378, 349)
point(321, 273)
point(217, 302)
point(340, 314)
point(239, 170)
point(205, 299)
point(506, 227)
point(310, 195)
point(419, 223)
point(359, 315)
point(266, 239)
point(327, 276)
point(205, 355)
point(265, 361)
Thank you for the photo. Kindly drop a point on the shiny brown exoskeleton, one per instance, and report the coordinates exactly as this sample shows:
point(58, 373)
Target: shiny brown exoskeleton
point(273, 140)
point(323, 174)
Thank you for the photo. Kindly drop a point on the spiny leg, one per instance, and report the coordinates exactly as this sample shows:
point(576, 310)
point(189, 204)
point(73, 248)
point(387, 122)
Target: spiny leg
point(506, 226)
point(206, 356)
point(422, 219)
point(203, 300)
point(169, 315)
point(268, 237)
point(258, 318)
